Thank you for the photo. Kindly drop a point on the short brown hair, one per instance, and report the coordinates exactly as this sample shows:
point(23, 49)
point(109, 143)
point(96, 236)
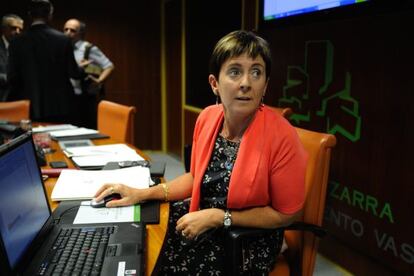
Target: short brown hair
point(237, 43)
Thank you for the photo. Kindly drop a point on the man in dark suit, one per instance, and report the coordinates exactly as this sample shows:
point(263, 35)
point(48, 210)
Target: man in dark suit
point(41, 63)
point(11, 26)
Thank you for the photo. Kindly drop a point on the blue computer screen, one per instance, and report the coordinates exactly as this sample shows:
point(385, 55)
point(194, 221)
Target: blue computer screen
point(274, 9)
point(23, 205)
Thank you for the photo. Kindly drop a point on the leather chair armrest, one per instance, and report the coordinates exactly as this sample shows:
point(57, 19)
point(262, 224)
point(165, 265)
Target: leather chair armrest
point(235, 233)
point(309, 227)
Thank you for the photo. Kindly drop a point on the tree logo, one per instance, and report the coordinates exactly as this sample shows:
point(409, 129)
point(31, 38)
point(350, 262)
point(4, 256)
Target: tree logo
point(314, 97)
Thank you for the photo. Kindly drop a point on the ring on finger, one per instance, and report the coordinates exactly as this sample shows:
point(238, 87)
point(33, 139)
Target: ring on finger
point(182, 233)
point(111, 190)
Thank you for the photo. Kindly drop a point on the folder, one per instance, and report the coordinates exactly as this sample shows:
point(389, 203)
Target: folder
point(81, 185)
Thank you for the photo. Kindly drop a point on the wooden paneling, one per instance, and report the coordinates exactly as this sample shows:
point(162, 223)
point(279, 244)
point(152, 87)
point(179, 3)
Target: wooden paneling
point(353, 261)
point(249, 14)
point(206, 23)
point(173, 30)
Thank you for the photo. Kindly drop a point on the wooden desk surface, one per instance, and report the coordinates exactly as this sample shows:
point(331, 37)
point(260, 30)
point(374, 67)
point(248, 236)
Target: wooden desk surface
point(155, 232)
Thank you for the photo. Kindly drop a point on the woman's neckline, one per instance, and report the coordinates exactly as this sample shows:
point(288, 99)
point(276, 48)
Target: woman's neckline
point(230, 140)
point(236, 138)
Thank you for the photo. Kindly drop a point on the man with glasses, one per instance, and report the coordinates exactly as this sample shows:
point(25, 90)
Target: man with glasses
point(11, 26)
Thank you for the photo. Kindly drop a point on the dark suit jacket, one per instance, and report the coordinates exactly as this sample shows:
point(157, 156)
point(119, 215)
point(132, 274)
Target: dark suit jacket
point(41, 62)
point(3, 71)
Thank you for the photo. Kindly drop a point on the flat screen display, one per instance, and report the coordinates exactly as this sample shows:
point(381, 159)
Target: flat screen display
point(276, 9)
point(23, 205)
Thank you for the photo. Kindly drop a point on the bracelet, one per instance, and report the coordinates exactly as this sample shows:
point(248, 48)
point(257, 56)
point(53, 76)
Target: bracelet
point(166, 191)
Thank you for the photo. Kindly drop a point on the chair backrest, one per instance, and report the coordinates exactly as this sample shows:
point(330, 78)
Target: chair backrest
point(187, 157)
point(15, 111)
point(303, 245)
point(284, 111)
point(117, 121)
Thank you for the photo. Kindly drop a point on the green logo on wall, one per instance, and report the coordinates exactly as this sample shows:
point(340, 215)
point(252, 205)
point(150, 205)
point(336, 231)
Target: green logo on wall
point(314, 96)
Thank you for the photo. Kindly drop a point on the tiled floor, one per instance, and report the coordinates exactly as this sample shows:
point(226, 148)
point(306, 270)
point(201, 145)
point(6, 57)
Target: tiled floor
point(325, 267)
point(175, 167)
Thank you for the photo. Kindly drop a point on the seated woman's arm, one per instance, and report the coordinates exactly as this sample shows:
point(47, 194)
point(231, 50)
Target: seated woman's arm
point(195, 223)
point(179, 188)
point(262, 217)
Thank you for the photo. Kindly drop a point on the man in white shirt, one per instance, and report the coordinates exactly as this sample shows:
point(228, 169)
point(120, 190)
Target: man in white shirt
point(97, 67)
point(11, 26)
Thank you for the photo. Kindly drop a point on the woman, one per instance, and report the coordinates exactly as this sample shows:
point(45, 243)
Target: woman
point(247, 168)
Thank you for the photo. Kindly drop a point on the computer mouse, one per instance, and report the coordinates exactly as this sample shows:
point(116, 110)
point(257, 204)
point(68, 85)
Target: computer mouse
point(102, 203)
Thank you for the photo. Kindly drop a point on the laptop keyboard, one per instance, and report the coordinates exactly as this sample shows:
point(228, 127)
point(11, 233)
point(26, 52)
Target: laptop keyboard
point(77, 251)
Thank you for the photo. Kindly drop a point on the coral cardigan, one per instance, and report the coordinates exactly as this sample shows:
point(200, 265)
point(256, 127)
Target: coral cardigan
point(270, 166)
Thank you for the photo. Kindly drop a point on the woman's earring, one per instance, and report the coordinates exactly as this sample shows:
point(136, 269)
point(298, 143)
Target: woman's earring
point(217, 99)
point(262, 101)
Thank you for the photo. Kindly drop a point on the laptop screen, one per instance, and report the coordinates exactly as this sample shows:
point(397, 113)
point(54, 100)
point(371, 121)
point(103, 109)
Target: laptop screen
point(23, 204)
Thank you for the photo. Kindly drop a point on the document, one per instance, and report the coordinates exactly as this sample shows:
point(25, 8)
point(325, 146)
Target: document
point(80, 184)
point(72, 132)
point(99, 156)
point(113, 149)
point(88, 214)
point(53, 128)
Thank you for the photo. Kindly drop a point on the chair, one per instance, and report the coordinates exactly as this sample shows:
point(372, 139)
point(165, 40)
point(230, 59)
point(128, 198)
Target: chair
point(15, 111)
point(300, 257)
point(117, 121)
point(284, 111)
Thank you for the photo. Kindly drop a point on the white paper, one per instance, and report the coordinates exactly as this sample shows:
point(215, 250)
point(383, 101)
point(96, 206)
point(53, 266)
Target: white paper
point(121, 269)
point(72, 132)
point(88, 214)
point(80, 184)
point(95, 156)
point(53, 128)
point(117, 149)
point(100, 161)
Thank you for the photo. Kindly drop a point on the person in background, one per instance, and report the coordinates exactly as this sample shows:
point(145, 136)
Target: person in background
point(247, 169)
point(97, 66)
point(11, 26)
point(41, 63)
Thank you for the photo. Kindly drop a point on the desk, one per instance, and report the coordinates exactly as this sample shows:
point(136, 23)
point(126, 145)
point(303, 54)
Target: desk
point(155, 232)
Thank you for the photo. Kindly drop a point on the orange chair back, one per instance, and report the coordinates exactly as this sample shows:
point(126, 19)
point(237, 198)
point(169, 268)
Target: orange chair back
point(319, 147)
point(300, 257)
point(284, 111)
point(15, 111)
point(117, 121)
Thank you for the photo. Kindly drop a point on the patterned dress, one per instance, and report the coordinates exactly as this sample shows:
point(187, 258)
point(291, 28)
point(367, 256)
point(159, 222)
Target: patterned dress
point(206, 254)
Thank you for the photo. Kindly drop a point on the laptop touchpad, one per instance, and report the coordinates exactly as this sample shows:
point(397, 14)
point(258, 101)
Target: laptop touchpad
point(124, 249)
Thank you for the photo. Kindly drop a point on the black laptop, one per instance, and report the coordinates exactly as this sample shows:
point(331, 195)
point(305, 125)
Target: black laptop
point(33, 241)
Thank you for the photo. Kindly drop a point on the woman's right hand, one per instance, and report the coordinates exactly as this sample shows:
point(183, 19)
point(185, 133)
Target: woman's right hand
point(129, 196)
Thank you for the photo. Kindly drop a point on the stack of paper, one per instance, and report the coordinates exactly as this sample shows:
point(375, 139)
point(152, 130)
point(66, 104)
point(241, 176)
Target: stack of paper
point(99, 156)
point(79, 184)
point(72, 132)
point(53, 128)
